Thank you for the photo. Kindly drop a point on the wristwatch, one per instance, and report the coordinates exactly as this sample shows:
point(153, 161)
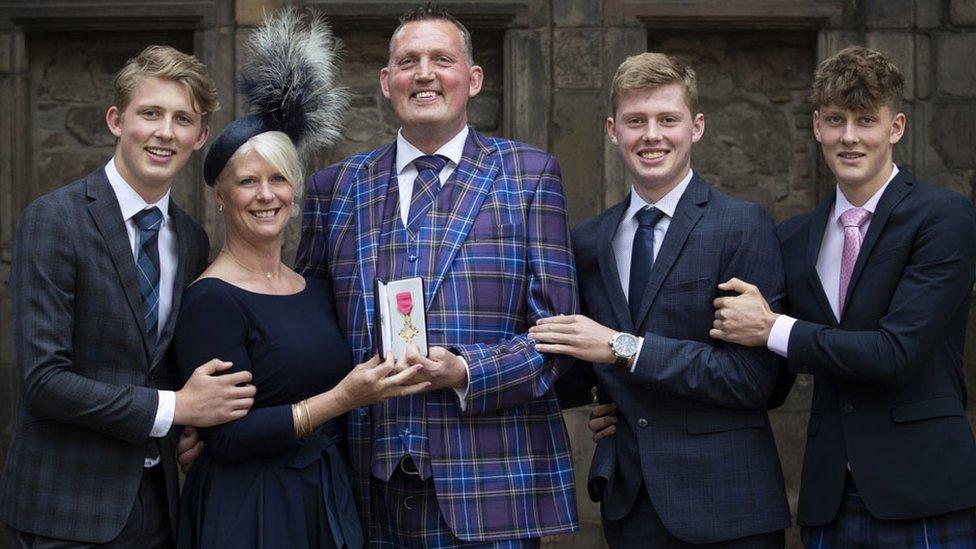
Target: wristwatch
point(624, 347)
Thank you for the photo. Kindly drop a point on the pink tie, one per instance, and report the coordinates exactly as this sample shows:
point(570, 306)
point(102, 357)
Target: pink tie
point(852, 219)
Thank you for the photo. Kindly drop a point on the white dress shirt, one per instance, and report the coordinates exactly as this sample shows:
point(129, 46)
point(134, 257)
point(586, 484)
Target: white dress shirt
point(623, 239)
point(131, 203)
point(828, 263)
point(406, 153)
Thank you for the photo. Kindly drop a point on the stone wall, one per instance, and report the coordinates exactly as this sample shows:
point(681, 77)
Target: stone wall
point(548, 65)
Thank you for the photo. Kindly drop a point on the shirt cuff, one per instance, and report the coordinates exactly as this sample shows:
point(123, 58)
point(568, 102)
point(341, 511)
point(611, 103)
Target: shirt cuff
point(779, 335)
point(640, 345)
point(462, 394)
point(164, 414)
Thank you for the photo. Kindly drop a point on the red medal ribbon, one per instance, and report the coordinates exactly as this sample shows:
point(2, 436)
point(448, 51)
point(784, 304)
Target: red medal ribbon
point(404, 302)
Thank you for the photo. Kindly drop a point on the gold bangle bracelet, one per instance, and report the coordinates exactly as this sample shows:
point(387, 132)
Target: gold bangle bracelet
point(301, 429)
point(308, 417)
point(296, 419)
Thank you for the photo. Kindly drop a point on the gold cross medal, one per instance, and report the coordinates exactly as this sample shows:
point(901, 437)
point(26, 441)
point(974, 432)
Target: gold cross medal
point(404, 301)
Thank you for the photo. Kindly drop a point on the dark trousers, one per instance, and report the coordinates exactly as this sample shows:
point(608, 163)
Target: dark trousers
point(405, 515)
point(146, 528)
point(853, 527)
point(642, 527)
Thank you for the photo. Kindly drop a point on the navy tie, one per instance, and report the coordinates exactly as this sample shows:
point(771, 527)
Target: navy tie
point(147, 262)
point(642, 258)
point(425, 189)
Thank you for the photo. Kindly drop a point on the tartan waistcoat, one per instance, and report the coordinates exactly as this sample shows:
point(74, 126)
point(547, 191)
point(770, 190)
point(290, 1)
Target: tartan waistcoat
point(400, 424)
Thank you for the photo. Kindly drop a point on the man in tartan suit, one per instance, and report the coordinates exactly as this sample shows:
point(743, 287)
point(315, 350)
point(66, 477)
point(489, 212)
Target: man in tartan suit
point(879, 279)
point(482, 459)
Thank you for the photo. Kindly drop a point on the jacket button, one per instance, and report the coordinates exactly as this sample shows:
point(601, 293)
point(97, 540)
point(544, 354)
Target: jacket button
point(642, 422)
point(412, 258)
point(848, 408)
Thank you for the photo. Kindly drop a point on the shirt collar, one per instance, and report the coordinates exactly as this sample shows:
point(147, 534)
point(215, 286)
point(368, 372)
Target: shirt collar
point(841, 204)
point(667, 204)
point(129, 200)
point(407, 153)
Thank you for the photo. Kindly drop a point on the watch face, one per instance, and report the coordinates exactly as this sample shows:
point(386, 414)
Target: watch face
point(625, 345)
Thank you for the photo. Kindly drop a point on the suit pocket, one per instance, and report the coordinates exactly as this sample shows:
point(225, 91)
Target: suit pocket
point(947, 406)
point(697, 422)
point(698, 284)
point(881, 256)
point(493, 231)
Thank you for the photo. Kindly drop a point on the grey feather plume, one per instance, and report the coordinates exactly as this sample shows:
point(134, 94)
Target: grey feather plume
point(290, 76)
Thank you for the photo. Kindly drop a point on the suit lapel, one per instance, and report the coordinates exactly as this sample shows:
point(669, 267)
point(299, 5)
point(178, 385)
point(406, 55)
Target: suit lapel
point(369, 198)
point(897, 190)
point(107, 216)
point(472, 180)
point(181, 231)
point(686, 216)
point(609, 222)
point(818, 224)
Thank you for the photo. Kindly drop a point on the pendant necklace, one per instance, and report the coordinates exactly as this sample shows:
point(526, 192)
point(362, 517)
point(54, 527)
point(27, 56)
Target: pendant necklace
point(266, 274)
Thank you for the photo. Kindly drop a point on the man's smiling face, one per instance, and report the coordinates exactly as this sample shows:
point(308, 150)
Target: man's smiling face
point(429, 80)
point(155, 135)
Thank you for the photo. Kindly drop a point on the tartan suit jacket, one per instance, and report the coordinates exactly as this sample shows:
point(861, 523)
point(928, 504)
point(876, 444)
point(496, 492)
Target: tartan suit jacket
point(88, 397)
point(502, 469)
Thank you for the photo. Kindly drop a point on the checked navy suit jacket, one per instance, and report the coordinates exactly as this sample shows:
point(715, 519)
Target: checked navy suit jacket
point(88, 397)
point(692, 423)
point(502, 469)
point(889, 392)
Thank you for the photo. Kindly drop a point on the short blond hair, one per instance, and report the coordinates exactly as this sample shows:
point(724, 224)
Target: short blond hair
point(278, 150)
point(858, 79)
point(652, 70)
point(170, 64)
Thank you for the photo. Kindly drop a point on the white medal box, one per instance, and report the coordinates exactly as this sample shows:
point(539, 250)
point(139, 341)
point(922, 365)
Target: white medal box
point(394, 328)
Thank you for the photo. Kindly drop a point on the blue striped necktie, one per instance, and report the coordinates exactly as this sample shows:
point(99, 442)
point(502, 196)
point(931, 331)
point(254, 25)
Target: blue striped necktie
point(425, 189)
point(147, 262)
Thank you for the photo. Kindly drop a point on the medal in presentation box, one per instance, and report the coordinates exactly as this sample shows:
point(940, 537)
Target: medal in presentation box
point(400, 316)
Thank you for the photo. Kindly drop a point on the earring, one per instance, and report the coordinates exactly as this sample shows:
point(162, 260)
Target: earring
point(220, 207)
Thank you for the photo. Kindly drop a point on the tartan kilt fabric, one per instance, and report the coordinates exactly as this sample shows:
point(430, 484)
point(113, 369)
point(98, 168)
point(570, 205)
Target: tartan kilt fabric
point(854, 528)
point(406, 514)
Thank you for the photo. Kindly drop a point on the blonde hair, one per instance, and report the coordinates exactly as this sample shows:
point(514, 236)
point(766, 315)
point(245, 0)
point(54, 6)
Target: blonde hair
point(278, 150)
point(170, 64)
point(653, 70)
point(858, 79)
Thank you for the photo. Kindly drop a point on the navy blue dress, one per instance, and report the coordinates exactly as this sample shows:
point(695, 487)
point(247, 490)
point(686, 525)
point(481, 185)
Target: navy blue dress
point(256, 485)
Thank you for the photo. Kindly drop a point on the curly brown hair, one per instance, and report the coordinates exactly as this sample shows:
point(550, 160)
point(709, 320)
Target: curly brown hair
point(858, 79)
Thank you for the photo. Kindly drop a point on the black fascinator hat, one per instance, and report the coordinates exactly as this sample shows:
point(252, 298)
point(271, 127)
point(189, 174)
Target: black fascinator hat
point(288, 81)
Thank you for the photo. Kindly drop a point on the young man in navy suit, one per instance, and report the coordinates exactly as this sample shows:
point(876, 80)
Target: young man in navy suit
point(879, 278)
point(693, 462)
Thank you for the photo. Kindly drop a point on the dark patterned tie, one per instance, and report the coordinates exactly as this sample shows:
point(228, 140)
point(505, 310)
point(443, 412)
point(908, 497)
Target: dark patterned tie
point(642, 258)
point(425, 189)
point(147, 263)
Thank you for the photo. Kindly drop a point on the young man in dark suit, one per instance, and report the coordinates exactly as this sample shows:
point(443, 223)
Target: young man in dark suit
point(879, 278)
point(97, 272)
point(693, 462)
